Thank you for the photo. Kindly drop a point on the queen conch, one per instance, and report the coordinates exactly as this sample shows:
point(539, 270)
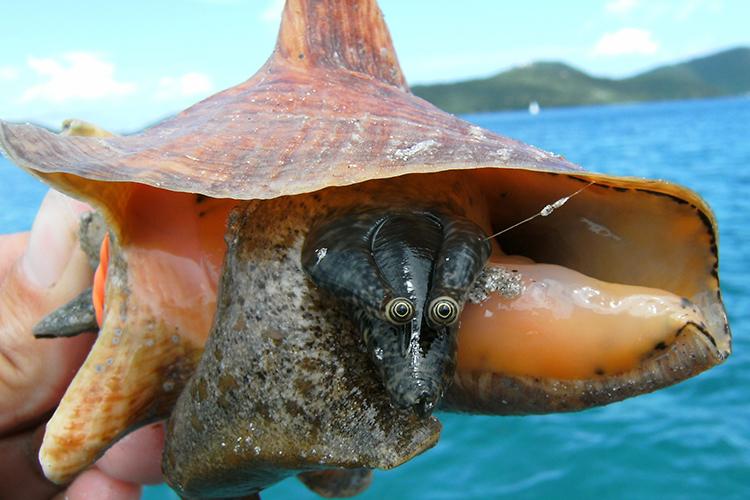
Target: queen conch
point(300, 269)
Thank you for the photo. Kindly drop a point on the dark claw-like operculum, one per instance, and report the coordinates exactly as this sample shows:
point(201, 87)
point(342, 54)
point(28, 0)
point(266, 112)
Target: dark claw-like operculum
point(403, 276)
point(74, 318)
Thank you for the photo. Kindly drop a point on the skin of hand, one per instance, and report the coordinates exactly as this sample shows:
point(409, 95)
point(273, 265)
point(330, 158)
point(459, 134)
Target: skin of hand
point(40, 271)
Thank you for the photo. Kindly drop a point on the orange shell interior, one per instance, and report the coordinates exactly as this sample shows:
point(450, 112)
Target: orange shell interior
point(179, 255)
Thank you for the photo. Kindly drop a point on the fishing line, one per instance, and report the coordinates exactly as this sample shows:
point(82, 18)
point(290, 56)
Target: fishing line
point(548, 209)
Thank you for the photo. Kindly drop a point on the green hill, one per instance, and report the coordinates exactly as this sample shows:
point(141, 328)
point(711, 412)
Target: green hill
point(557, 84)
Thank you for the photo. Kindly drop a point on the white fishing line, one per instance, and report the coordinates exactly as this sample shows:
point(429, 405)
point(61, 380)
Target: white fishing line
point(544, 212)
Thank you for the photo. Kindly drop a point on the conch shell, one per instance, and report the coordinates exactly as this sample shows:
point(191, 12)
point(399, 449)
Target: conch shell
point(329, 122)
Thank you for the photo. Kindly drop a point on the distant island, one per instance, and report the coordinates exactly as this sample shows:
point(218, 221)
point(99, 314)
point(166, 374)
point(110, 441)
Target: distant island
point(557, 84)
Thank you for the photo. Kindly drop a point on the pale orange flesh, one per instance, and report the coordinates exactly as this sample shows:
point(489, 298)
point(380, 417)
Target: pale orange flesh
point(566, 325)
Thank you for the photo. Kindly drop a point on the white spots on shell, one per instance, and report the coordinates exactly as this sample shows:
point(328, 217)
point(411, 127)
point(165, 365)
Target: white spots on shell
point(149, 342)
point(378, 353)
point(503, 154)
point(600, 229)
point(539, 154)
point(476, 132)
point(359, 130)
point(168, 386)
point(257, 450)
point(273, 334)
point(115, 340)
point(405, 154)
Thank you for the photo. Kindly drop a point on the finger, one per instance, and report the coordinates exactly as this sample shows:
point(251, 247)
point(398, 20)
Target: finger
point(93, 484)
point(136, 457)
point(133, 460)
point(34, 373)
point(20, 473)
point(11, 249)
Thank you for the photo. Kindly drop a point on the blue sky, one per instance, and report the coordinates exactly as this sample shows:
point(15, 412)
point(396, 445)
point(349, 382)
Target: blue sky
point(126, 64)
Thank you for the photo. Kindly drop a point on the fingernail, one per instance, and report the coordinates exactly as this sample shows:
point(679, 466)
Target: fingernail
point(53, 239)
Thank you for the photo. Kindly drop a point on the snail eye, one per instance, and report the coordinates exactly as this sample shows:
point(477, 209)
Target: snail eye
point(399, 310)
point(443, 311)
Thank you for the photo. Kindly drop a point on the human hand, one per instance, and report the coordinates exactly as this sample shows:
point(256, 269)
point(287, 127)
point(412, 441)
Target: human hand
point(39, 272)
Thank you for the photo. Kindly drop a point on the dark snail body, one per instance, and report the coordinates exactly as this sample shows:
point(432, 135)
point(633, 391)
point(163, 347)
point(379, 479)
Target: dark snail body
point(403, 275)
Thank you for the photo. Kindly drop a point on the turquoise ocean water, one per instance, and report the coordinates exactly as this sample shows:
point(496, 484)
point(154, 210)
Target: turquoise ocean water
point(688, 441)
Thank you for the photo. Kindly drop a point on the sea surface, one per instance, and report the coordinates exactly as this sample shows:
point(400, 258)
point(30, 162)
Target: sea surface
point(686, 442)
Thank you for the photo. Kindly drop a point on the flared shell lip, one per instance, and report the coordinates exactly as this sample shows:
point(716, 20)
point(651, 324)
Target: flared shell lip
point(360, 175)
point(167, 174)
point(285, 131)
point(292, 130)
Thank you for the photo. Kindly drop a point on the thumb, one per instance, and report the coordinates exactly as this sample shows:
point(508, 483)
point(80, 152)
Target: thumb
point(52, 270)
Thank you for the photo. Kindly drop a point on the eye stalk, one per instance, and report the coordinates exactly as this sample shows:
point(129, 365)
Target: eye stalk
point(443, 311)
point(399, 311)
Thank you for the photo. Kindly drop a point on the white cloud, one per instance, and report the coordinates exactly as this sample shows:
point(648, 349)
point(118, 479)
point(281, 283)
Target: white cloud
point(688, 8)
point(272, 13)
point(620, 6)
point(8, 73)
point(76, 75)
point(626, 41)
point(187, 85)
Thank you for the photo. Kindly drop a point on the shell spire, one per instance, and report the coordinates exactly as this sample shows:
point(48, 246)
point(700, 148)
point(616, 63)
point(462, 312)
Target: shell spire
point(338, 34)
